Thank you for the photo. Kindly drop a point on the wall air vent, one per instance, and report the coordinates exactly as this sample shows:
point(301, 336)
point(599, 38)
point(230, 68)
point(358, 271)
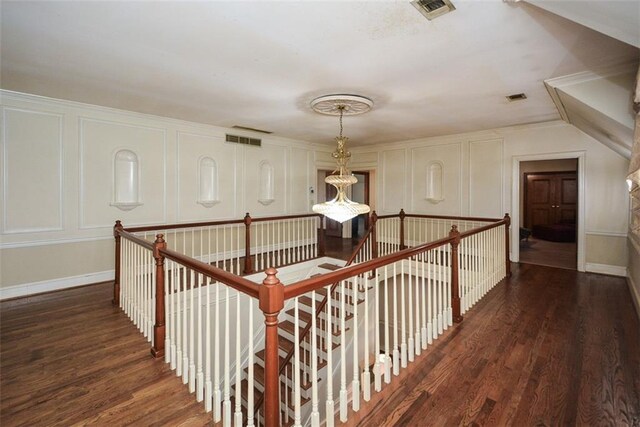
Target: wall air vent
point(237, 139)
point(516, 97)
point(431, 9)
point(251, 129)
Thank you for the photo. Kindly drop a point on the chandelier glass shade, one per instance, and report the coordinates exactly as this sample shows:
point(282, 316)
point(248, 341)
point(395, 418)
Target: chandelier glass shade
point(341, 209)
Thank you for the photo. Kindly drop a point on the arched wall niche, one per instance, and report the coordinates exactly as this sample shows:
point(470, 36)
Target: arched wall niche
point(435, 182)
point(267, 182)
point(126, 180)
point(208, 194)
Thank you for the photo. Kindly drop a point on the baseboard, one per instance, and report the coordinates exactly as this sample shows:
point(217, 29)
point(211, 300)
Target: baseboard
point(54, 284)
point(612, 270)
point(635, 296)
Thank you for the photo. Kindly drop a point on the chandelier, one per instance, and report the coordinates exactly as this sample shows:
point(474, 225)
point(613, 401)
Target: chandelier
point(341, 209)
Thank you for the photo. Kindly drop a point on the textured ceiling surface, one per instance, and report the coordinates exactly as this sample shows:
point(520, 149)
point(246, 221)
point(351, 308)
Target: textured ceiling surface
point(259, 64)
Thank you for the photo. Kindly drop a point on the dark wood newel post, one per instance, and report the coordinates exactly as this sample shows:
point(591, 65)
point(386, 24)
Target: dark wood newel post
point(248, 267)
point(374, 235)
point(321, 247)
point(271, 296)
point(507, 224)
point(116, 281)
point(455, 279)
point(159, 329)
point(402, 215)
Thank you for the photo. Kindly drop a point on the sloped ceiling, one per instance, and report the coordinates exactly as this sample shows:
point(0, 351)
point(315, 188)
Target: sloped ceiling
point(617, 19)
point(259, 64)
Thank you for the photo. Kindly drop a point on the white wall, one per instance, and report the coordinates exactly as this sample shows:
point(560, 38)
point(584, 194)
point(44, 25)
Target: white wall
point(478, 180)
point(57, 184)
point(57, 175)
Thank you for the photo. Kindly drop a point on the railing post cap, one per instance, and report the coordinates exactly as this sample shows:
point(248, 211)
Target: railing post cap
point(159, 238)
point(402, 214)
point(247, 219)
point(271, 278)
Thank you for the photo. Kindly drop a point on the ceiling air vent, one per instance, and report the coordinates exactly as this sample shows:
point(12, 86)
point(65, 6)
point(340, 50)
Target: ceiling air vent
point(431, 9)
point(237, 139)
point(516, 97)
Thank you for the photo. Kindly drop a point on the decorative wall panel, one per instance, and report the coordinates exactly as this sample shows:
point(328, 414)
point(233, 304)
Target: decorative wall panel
point(32, 176)
point(393, 180)
point(111, 154)
point(486, 179)
point(206, 175)
point(435, 179)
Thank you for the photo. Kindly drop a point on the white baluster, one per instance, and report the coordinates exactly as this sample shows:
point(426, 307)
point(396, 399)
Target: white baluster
point(226, 404)
point(167, 312)
point(403, 344)
point(250, 382)
point(329, 403)
point(411, 346)
point(200, 373)
point(387, 324)
point(175, 316)
point(425, 300)
point(192, 366)
point(355, 385)
point(238, 396)
point(296, 364)
point(315, 415)
point(343, 357)
point(217, 397)
point(208, 392)
point(396, 346)
point(366, 375)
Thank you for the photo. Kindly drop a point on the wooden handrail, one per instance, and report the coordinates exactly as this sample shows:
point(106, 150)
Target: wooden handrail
point(135, 239)
point(211, 223)
point(236, 282)
point(481, 229)
point(315, 283)
point(461, 218)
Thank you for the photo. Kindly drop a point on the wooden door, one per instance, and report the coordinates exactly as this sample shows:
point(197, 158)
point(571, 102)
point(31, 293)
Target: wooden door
point(333, 228)
point(550, 198)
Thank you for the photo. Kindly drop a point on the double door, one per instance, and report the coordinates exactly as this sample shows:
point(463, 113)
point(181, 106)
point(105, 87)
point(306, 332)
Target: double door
point(550, 198)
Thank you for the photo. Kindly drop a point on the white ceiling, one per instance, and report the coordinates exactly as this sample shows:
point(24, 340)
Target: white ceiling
point(259, 64)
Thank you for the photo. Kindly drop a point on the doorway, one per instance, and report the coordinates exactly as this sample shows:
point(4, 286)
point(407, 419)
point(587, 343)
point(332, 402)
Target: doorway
point(549, 213)
point(360, 194)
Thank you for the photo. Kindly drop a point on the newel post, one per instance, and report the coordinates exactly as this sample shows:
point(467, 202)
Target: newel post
point(507, 224)
point(455, 282)
point(374, 235)
point(159, 328)
point(271, 296)
point(116, 281)
point(321, 247)
point(402, 215)
point(248, 267)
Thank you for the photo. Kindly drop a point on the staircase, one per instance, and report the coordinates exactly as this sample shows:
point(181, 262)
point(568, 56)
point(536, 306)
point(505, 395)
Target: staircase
point(286, 335)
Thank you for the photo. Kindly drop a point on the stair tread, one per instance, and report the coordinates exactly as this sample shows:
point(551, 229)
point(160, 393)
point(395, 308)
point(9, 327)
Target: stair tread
point(328, 266)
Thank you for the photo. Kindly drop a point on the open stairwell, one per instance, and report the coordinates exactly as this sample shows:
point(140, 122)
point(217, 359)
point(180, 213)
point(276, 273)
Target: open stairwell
point(286, 336)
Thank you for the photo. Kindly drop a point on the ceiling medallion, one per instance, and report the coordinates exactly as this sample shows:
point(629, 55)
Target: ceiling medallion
point(347, 105)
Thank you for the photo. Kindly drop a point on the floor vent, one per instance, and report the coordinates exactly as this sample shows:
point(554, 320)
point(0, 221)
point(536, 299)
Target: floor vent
point(432, 9)
point(237, 139)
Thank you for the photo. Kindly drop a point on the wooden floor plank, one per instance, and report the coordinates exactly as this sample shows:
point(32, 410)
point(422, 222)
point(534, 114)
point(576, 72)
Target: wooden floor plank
point(549, 346)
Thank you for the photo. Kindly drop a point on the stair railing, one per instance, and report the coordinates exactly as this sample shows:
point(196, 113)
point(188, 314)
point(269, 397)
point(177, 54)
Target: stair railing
point(361, 253)
point(162, 290)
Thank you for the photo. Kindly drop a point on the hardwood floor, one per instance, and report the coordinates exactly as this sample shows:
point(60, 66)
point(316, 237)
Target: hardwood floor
point(70, 357)
point(550, 254)
point(549, 347)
